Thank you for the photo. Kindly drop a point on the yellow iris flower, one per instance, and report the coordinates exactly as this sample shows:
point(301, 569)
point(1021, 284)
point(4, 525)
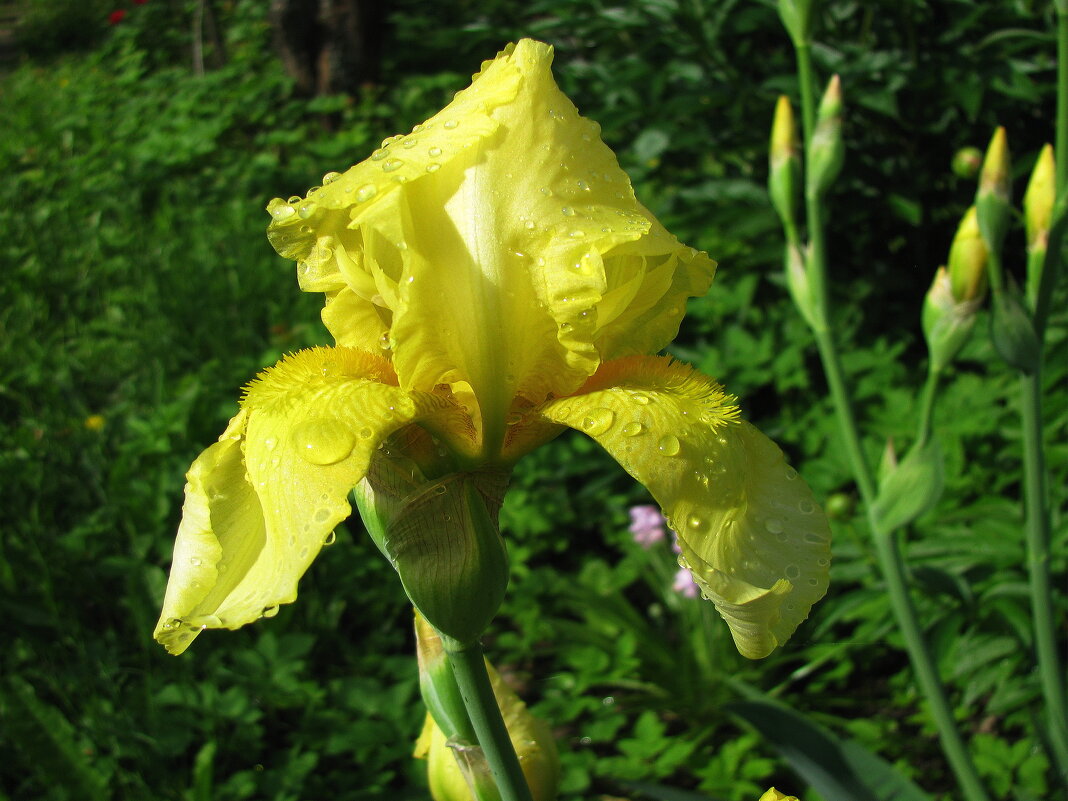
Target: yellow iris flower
point(490, 279)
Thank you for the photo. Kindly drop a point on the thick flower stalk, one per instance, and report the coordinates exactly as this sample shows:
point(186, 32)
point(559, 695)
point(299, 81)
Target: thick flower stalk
point(490, 280)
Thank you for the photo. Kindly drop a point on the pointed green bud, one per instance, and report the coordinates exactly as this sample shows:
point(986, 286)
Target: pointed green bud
point(443, 540)
point(947, 323)
point(910, 487)
point(967, 260)
point(797, 17)
point(1013, 333)
point(784, 163)
point(437, 684)
point(826, 150)
point(797, 280)
point(995, 189)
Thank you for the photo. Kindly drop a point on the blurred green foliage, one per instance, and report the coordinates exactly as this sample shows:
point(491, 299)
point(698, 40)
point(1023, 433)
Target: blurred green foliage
point(140, 293)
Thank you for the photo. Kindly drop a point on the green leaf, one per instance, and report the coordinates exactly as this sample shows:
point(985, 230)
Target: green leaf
point(839, 770)
point(49, 742)
point(659, 792)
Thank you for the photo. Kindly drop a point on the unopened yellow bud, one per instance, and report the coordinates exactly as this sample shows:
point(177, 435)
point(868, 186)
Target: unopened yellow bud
point(826, 150)
point(995, 189)
point(531, 737)
point(784, 162)
point(967, 260)
point(775, 795)
point(1038, 200)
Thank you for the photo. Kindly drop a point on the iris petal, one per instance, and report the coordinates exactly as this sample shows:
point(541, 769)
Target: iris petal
point(261, 502)
point(749, 528)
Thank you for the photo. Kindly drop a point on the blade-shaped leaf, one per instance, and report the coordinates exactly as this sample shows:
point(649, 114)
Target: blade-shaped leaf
point(839, 770)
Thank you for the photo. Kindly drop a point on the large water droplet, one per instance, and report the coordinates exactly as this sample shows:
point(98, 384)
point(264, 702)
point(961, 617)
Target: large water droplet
point(379, 154)
point(307, 209)
point(322, 441)
point(632, 429)
point(283, 212)
point(638, 397)
point(366, 192)
point(669, 445)
point(330, 177)
point(598, 421)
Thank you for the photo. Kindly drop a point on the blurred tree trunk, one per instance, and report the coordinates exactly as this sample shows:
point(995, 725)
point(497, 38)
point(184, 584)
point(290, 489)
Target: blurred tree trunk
point(329, 46)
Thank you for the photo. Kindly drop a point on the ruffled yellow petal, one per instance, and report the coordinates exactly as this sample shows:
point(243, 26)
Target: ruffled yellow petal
point(500, 244)
point(261, 502)
point(749, 528)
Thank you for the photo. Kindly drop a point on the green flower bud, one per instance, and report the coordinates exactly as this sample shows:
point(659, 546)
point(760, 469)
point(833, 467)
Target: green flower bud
point(966, 162)
point(910, 487)
point(1013, 333)
point(826, 150)
point(947, 323)
point(799, 285)
point(443, 540)
point(784, 162)
point(995, 188)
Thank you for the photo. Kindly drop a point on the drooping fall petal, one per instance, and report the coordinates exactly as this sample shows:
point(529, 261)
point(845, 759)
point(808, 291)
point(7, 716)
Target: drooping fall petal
point(262, 500)
point(749, 528)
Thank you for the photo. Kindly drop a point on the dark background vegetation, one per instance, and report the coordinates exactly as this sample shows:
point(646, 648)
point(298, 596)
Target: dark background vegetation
point(139, 293)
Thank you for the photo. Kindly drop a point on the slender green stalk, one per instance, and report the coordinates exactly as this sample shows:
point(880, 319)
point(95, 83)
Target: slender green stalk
point(887, 545)
point(930, 392)
point(1035, 479)
point(469, 667)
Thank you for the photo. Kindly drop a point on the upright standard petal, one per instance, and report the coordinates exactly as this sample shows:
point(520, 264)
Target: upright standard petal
point(749, 528)
point(261, 502)
point(498, 248)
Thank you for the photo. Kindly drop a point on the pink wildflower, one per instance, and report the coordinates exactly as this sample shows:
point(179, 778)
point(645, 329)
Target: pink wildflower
point(647, 525)
point(684, 584)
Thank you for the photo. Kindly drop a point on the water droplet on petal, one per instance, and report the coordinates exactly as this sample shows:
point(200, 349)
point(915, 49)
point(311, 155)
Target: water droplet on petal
point(792, 572)
point(383, 341)
point(379, 154)
point(632, 429)
point(322, 441)
point(433, 167)
point(330, 539)
point(434, 152)
point(307, 209)
point(391, 165)
point(669, 445)
point(451, 124)
point(567, 211)
point(330, 177)
point(598, 421)
point(195, 561)
point(697, 523)
point(806, 507)
point(773, 525)
point(638, 397)
point(366, 192)
point(283, 212)
point(269, 611)
point(791, 474)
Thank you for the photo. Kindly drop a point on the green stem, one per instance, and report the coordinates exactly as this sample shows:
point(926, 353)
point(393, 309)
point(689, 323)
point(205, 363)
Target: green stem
point(1062, 102)
point(887, 546)
point(469, 667)
point(930, 392)
point(1038, 557)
